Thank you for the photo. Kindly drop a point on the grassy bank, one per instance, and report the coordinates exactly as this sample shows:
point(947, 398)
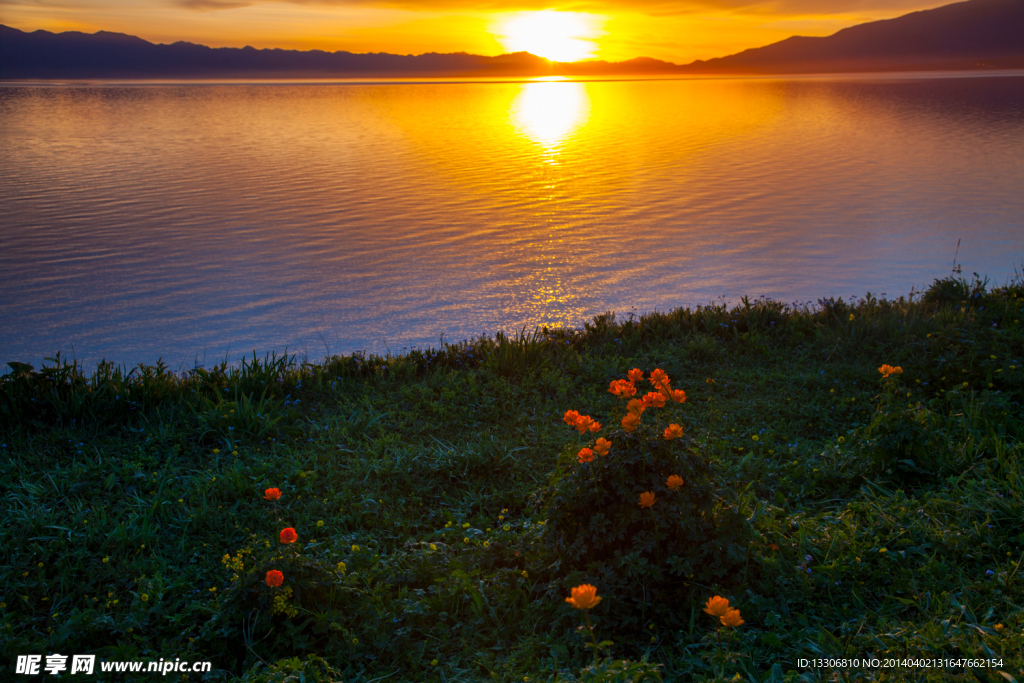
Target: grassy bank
point(443, 512)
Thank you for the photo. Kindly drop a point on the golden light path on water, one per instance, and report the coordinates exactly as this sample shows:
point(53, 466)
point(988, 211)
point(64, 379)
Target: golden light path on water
point(197, 221)
point(548, 112)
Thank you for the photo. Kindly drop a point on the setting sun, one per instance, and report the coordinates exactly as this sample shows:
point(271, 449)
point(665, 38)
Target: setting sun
point(554, 35)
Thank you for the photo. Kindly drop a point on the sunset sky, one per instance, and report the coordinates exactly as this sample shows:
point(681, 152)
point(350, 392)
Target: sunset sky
point(674, 30)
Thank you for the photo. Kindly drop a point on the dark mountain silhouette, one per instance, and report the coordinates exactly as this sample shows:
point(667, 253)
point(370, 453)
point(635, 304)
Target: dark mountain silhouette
point(42, 54)
point(966, 35)
point(977, 34)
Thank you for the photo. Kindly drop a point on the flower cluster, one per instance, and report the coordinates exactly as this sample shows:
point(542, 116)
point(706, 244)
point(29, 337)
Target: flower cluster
point(585, 597)
point(280, 603)
point(236, 563)
point(888, 370)
point(656, 485)
point(635, 407)
point(582, 423)
point(661, 394)
point(274, 577)
point(718, 606)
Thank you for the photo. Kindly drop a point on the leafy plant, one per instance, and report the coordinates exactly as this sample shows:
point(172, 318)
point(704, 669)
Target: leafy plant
point(643, 520)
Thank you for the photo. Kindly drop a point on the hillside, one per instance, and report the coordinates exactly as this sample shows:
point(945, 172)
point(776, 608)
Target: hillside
point(978, 34)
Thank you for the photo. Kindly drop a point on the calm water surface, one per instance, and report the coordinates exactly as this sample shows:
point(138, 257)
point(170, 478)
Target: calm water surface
point(202, 221)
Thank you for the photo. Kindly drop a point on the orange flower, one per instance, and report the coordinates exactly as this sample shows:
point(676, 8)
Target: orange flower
point(659, 378)
point(717, 606)
point(272, 494)
point(635, 375)
point(585, 424)
point(732, 619)
point(601, 446)
point(584, 597)
point(673, 431)
point(582, 423)
point(635, 406)
point(647, 499)
point(288, 535)
point(887, 370)
point(630, 422)
point(653, 399)
point(621, 388)
point(773, 547)
point(585, 455)
point(674, 482)
point(678, 395)
point(570, 417)
point(274, 578)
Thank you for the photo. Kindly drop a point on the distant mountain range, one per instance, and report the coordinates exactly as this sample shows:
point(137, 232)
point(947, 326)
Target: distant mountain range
point(978, 34)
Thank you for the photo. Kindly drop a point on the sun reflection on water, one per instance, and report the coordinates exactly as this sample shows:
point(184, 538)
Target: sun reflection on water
point(548, 112)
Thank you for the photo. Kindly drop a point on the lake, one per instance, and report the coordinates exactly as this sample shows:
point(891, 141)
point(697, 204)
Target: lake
point(197, 222)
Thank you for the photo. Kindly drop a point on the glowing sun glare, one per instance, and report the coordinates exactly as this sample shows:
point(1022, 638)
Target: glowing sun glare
point(548, 112)
point(554, 35)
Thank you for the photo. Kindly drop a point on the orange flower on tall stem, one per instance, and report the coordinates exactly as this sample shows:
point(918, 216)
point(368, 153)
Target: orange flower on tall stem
point(635, 375)
point(678, 395)
point(660, 379)
point(630, 422)
point(647, 499)
point(674, 482)
point(888, 370)
point(601, 446)
point(732, 619)
point(622, 388)
point(570, 417)
point(274, 578)
point(717, 606)
point(289, 535)
point(585, 455)
point(673, 431)
point(584, 597)
point(635, 406)
point(272, 494)
point(585, 424)
point(653, 399)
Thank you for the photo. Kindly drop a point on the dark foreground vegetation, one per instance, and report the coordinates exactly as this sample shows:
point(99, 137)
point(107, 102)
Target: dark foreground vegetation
point(443, 513)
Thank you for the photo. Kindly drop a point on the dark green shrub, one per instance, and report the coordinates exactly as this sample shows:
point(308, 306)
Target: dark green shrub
point(954, 290)
point(518, 355)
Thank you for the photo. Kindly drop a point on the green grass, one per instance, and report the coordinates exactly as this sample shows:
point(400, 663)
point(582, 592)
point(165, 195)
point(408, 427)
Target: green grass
point(882, 518)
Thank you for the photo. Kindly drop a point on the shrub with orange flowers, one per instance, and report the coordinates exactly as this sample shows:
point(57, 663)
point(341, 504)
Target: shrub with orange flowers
point(906, 438)
point(608, 515)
